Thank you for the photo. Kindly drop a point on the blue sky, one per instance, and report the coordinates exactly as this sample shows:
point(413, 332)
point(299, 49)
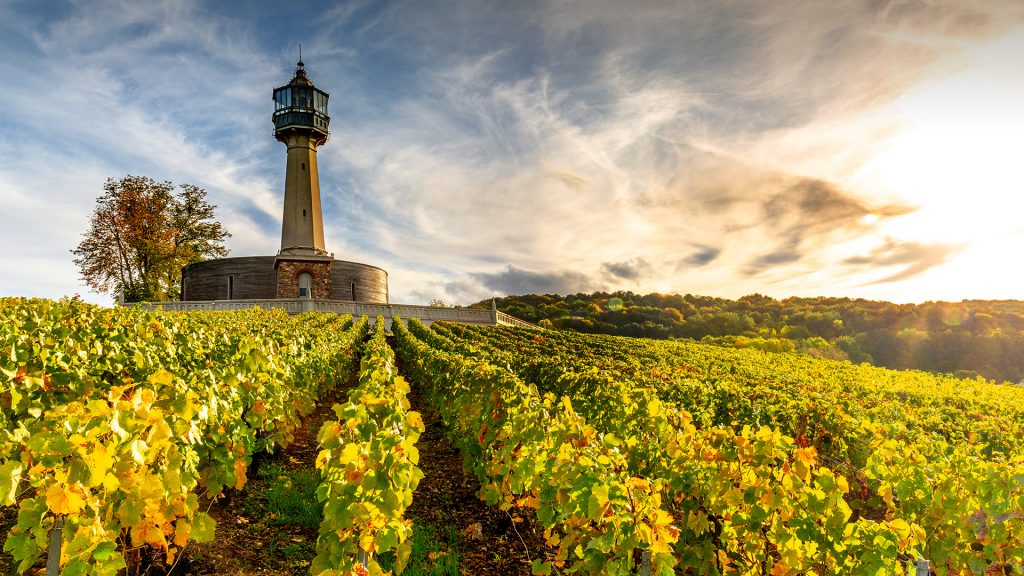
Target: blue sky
point(852, 148)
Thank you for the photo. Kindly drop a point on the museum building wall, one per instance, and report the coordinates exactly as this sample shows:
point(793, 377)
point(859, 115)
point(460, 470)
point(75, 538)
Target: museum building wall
point(254, 278)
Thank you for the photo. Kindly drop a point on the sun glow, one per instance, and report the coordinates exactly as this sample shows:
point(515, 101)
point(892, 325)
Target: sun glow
point(958, 161)
point(959, 157)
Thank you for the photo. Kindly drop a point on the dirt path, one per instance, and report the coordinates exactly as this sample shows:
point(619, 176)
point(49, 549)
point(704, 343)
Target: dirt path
point(485, 540)
point(8, 519)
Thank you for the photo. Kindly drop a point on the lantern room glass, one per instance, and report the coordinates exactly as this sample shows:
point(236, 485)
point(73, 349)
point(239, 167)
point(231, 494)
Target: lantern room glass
point(301, 98)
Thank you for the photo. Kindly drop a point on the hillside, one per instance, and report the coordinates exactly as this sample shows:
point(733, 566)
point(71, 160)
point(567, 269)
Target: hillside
point(254, 442)
point(719, 461)
point(972, 337)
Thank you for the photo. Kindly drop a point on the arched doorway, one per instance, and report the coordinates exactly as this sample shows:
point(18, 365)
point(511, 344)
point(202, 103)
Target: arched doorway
point(305, 285)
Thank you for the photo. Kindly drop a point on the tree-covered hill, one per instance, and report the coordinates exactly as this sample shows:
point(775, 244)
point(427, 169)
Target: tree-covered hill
point(984, 337)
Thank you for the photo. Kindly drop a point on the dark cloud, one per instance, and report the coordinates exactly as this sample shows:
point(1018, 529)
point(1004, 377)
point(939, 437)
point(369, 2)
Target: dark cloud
point(264, 222)
point(809, 204)
point(513, 280)
point(702, 257)
point(633, 269)
point(461, 291)
point(913, 256)
point(785, 253)
point(807, 211)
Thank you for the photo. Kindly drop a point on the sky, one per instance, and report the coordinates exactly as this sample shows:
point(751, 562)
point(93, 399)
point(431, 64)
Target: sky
point(860, 148)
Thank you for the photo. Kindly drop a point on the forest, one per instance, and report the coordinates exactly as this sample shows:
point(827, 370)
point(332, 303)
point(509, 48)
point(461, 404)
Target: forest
point(968, 338)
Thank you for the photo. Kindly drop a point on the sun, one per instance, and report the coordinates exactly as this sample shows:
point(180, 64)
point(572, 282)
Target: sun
point(957, 161)
point(958, 158)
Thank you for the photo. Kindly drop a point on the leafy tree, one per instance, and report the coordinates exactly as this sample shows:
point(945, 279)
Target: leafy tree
point(140, 235)
point(974, 336)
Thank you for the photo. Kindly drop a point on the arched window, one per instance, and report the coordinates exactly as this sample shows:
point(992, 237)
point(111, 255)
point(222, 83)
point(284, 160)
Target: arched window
point(305, 285)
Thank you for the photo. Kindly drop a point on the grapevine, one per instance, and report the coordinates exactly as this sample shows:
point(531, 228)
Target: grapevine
point(368, 461)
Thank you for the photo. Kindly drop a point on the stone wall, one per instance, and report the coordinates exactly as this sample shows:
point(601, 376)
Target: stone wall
point(288, 272)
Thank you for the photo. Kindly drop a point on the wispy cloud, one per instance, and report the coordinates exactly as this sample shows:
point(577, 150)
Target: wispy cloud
point(911, 258)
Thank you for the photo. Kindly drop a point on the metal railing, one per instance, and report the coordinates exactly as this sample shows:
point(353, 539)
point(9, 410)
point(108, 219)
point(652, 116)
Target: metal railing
point(508, 320)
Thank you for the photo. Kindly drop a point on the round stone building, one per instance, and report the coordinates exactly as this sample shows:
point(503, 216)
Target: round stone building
point(302, 268)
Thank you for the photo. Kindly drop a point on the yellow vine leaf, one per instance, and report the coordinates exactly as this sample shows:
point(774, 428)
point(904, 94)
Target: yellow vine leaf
point(348, 454)
point(322, 458)
point(239, 474)
point(160, 378)
point(366, 542)
point(805, 455)
point(62, 499)
point(99, 462)
point(139, 448)
point(661, 546)
point(202, 529)
point(182, 529)
point(414, 420)
point(638, 484)
point(10, 478)
point(148, 533)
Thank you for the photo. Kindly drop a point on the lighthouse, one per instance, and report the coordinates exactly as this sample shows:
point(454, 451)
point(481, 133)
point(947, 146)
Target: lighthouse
point(303, 276)
point(302, 267)
point(300, 123)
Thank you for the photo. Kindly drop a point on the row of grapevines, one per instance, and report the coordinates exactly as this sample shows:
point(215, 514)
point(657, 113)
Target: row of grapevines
point(119, 420)
point(532, 450)
point(821, 400)
point(368, 460)
point(746, 500)
point(969, 507)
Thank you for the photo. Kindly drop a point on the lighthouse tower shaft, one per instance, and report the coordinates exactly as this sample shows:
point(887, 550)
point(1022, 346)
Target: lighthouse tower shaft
point(302, 227)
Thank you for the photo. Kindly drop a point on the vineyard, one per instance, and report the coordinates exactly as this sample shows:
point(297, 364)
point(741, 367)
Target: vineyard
point(620, 456)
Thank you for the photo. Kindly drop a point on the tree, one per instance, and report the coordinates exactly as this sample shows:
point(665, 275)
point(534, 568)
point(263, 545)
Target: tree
point(140, 235)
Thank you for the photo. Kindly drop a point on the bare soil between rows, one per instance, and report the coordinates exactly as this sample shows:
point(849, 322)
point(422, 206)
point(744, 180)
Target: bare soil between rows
point(492, 542)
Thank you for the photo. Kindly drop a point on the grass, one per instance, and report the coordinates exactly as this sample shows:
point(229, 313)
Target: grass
point(282, 513)
point(290, 497)
point(433, 553)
